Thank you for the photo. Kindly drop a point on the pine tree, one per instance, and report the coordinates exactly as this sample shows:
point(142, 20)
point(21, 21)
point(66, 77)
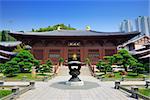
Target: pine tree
point(3, 36)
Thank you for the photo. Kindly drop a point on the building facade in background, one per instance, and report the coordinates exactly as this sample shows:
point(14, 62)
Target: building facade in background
point(57, 44)
point(138, 47)
point(143, 25)
point(126, 26)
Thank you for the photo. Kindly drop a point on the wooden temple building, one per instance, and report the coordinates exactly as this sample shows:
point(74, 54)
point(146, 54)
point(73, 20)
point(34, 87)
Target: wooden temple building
point(139, 47)
point(65, 43)
point(6, 50)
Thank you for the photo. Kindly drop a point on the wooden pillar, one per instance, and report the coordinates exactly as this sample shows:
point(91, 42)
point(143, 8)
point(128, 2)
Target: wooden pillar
point(100, 53)
point(81, 54)
point(65, 53)
point(45, 54)
point(103, 52)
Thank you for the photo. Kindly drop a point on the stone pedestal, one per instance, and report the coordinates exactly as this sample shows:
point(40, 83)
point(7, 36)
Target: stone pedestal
point(134, 90)
point(117, 84)
point(79, 83)
point(1, 83)
point(74, 72)
point(32, 84)
point(15, 90)
point(147, 83)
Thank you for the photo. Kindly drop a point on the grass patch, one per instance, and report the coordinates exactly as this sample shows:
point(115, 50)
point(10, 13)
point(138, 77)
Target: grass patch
point(129, 75)
point(4, 93)
point(28, 76)
point(116, 75)
point(145, 92)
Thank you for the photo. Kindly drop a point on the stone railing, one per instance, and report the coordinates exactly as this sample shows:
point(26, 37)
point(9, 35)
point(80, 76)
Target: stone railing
point(16, 91)
point(134, 90)
point(91, 67)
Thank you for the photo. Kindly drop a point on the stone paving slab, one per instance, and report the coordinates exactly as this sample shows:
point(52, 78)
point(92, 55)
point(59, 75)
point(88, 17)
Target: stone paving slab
point(44, 91)
point(16, 83)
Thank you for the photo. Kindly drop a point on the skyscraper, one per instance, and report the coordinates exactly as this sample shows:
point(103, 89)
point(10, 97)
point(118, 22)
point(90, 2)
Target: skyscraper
point(148, 20)
point(126, 26)
point(143, 25)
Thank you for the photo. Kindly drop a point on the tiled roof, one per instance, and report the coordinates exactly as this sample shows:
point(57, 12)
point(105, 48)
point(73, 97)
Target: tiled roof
point(146, 56)
point(8, 52)
point(134, 40)
point(10, 43)
point(139, 52)
point(74, 33)
point(2, 57)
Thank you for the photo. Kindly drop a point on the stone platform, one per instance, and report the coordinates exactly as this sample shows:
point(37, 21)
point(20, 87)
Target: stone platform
point(92, 90)
point(79, 83)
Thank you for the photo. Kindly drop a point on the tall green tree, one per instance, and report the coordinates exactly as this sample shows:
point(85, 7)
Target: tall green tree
point(54, 27)
point(3, 36)
point(33, 30)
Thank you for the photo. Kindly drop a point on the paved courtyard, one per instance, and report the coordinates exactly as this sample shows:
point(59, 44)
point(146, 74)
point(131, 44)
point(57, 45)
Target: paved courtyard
point(95, 90)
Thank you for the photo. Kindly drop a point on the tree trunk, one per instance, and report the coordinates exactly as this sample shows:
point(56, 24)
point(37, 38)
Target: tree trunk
point(105, 72)
point(125, 68)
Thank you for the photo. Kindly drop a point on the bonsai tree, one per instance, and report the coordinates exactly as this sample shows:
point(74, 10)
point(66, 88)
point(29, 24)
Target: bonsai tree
point(10, 68)
point(25, 60)
point(138, 68)
point(87, 61)
point(36, 64)
point(47, 67)
point(49, 64)
point(147, 67)
point(100, 64)
point(124, 58)
point(103, 65)
point(43, 68)
point(1, 67)
point(110, 60)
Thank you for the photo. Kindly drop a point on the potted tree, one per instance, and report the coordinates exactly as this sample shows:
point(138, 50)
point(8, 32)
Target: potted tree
point(61, 60)
point(87, 61)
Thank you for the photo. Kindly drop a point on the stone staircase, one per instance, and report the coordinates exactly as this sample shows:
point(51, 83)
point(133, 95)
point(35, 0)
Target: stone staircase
point(85, 71)
point(64, 71)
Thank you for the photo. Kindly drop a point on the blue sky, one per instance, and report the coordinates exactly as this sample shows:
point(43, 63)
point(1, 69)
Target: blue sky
point(102, 15)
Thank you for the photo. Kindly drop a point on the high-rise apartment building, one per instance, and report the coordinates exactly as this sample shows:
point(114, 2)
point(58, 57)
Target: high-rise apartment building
point(126, 26)
point(143, 25)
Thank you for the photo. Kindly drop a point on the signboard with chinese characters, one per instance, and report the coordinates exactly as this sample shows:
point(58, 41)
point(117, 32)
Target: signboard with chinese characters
point(74, 44)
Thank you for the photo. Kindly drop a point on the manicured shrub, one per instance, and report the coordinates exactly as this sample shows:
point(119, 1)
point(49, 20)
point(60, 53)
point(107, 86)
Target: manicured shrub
point(47, 67)
point(10, 68)
point(25, 60)
point(22, 62)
